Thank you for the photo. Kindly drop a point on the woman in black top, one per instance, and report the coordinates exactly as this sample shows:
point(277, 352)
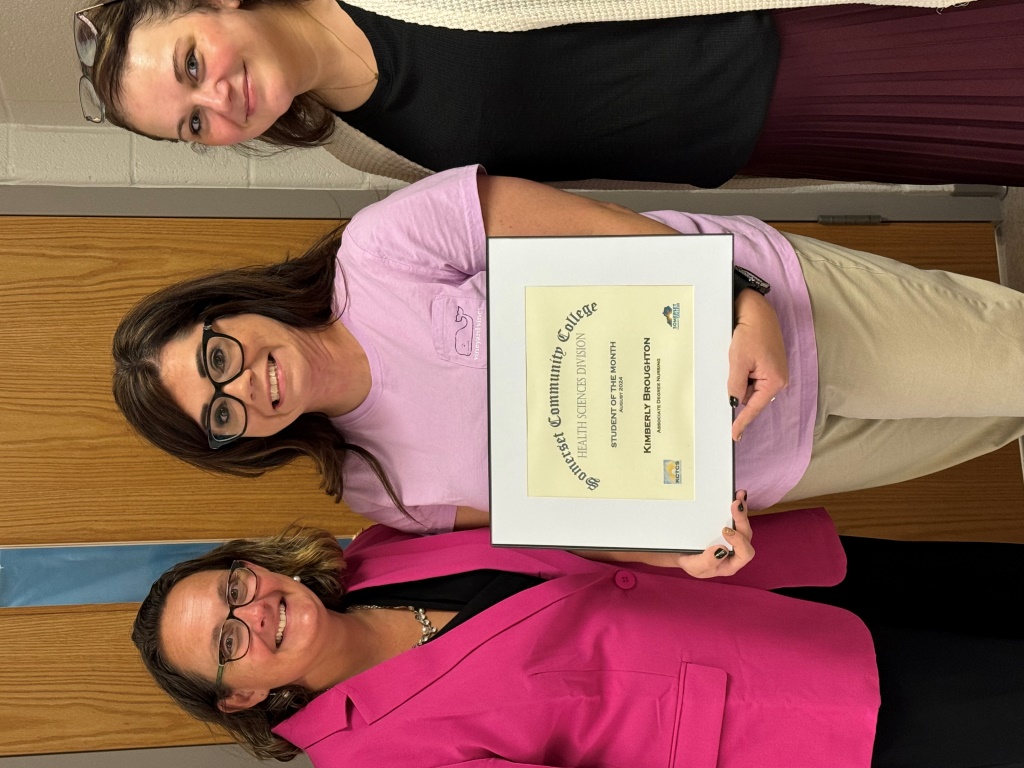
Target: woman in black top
point(846, 92)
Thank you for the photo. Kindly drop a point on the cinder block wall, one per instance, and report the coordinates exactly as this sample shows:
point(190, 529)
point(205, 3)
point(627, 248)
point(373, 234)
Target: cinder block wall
point(66, 155)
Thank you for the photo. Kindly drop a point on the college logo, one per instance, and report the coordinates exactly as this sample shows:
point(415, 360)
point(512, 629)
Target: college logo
point(671, 472)
point(672, 315)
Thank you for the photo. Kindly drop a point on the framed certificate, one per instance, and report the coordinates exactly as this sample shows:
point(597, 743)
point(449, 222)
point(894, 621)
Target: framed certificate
point(610, 426)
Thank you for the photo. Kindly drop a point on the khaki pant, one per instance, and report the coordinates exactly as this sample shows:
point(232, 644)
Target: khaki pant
point(917, 370)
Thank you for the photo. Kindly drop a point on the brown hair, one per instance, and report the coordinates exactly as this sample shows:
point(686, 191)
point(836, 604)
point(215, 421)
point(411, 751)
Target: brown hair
point(297, 292)
point(307, 123)
point(311, 554)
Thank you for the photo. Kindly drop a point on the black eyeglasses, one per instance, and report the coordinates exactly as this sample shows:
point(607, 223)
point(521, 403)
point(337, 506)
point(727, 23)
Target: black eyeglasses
point(86, 37)
point(234, 638)
point(225, 417)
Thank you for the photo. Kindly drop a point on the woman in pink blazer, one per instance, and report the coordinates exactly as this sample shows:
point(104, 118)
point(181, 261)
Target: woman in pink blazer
point(443, 651)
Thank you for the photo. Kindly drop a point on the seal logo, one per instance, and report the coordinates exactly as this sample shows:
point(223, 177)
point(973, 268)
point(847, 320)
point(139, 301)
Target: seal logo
point(671, 315)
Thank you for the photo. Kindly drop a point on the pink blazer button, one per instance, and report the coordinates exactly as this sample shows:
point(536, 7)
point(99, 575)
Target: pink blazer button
point(625, 580)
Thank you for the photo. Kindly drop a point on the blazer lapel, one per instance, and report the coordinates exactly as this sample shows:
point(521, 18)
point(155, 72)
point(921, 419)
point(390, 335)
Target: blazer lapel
point(399, 559)
point(385, 687)
point(794, 549)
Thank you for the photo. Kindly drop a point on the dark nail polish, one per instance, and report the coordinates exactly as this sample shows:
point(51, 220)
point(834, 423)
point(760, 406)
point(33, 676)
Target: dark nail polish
point(741, 507)
point(734, 402)
point(720, 553)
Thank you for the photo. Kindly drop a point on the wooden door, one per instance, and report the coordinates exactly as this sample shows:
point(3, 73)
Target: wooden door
point(71, 471)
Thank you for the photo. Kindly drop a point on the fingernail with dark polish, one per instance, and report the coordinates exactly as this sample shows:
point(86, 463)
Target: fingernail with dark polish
point(721, 553)
point(741, 507)
point(734, 402)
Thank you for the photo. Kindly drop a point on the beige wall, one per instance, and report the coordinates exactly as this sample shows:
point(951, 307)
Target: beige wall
point(111, 157)
point(38, 84)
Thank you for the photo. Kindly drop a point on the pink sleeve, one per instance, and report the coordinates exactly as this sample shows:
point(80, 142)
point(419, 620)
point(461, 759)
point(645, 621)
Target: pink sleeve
point(433, 228)
point(433, 518)
point(797, 548)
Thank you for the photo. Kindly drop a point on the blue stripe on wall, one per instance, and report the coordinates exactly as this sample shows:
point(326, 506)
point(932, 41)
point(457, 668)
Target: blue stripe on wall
point(86, 575)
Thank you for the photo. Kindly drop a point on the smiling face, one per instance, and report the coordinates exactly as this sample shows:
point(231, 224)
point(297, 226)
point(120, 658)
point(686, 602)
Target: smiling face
point(276, 383)
point(214, 77)
point(288, 628)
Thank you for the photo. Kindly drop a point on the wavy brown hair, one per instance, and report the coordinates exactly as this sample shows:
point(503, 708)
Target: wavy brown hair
point(311, 554)
point(297, 292)
point(307, 123)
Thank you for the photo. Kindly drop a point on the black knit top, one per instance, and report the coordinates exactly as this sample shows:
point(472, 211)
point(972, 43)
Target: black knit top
point(467, 593)
point(678, 100)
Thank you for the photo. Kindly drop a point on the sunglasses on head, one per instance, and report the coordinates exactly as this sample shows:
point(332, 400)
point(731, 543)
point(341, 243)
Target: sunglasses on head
point(86, 38)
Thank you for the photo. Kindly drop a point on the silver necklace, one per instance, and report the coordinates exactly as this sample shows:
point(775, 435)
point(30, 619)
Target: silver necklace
point(428, 630)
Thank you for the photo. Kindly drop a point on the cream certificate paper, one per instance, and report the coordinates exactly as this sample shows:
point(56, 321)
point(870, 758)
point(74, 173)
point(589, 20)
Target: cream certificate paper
point(609, 416)
point(609, 391)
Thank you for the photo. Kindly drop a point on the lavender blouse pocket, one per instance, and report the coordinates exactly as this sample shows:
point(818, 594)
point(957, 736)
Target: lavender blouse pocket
point(460, 329)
